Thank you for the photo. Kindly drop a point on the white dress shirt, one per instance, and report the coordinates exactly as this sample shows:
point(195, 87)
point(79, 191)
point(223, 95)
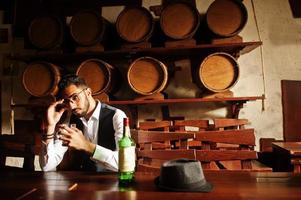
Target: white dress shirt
point(52, 153)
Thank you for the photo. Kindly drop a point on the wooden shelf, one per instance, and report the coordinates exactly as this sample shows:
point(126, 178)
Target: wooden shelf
point(164, 101)
point(234, 103)
point(233, 48)
point(192, 100)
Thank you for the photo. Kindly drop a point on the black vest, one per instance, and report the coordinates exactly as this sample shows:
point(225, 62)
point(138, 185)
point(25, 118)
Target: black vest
point(79, 160)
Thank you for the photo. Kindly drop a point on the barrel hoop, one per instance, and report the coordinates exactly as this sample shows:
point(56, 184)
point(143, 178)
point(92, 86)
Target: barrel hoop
point(226, 18)
point(41, 78)
point(99, 78)
point(218, 72)
point(46, 32)
point(135, 24)
point(87, 27)
point(179, 25)
point(139, 82)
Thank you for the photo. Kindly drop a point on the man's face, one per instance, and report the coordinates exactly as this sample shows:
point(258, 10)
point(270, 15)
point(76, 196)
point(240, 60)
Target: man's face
point(76, 99)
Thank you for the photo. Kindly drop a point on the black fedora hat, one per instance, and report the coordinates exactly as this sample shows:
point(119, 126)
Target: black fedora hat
point(183, 175)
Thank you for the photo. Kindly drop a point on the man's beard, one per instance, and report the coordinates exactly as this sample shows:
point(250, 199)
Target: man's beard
point(84, 109)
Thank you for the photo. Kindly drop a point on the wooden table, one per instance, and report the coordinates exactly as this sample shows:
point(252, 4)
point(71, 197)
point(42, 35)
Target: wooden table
point(288, 156)
point(227, 185)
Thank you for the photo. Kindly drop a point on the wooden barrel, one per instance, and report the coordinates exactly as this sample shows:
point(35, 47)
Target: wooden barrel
point(147, 76)
point(41, 78)
point(135, 24)
point(179, 20)
point(218, 72)
point(97, 74)
point(88, 27)
point(226, 18)
point(46, 32)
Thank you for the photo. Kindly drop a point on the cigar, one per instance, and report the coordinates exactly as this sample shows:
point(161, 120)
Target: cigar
point(73, 187)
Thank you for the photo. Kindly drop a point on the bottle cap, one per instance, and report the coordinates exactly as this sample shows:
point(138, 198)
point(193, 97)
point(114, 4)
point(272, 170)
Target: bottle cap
point(126, 121)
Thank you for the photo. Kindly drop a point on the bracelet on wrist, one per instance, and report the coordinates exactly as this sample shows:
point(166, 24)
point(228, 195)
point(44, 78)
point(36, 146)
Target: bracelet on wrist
point(48, 136)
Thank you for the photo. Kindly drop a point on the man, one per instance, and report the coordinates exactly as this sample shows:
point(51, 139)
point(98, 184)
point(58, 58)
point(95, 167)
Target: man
point(93, 144)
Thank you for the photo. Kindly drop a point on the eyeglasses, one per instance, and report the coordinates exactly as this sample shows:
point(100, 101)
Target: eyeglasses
point(74, 97)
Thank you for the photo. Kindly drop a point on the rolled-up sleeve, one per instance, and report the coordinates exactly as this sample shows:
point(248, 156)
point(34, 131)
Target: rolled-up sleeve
point(107, 158)
point(51, 155)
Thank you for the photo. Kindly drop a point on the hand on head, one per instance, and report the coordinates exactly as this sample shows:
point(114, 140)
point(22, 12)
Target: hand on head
point(55, 112)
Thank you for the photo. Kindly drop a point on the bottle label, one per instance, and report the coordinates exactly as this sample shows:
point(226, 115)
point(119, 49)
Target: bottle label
point(127, 159)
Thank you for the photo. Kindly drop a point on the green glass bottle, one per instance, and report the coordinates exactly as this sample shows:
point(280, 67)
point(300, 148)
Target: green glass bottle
point(127, 156)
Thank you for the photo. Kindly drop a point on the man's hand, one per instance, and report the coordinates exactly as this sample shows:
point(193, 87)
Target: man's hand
point(55, 112)
point(74, 138)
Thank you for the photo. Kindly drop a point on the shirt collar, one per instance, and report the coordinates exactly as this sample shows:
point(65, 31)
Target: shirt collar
point(96, 112)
